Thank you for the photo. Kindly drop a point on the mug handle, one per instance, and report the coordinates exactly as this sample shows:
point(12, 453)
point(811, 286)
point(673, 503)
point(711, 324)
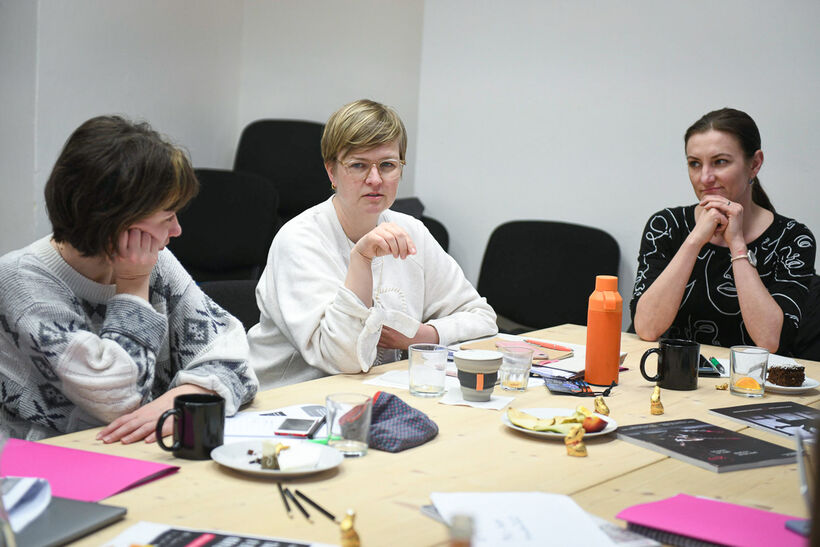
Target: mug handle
point(177, 415)
point(643, 363)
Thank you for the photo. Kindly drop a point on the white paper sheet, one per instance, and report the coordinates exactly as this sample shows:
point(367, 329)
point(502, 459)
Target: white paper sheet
point(496, 402)
point(521, 518)
point(246, 426)
point(401, 379)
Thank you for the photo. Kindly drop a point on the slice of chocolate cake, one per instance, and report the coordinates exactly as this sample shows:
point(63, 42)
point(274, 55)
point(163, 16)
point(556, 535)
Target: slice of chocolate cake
point(786, 375)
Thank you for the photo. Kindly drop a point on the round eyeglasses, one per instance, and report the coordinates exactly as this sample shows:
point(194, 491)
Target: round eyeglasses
point(389, 168)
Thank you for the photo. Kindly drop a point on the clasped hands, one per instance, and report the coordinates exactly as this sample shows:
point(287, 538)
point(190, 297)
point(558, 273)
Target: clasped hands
point(721, 222)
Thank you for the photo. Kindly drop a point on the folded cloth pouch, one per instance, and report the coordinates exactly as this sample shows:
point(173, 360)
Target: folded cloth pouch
point(397, 426)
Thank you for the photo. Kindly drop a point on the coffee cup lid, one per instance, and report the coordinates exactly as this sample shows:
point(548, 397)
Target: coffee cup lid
point(477, 355)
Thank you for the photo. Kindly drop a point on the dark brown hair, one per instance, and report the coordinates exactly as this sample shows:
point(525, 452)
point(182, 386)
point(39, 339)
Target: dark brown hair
point(742, 127)
point(110, 174)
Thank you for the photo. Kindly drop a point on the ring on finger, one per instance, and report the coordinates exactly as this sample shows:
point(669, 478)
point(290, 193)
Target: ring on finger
point(728, 202)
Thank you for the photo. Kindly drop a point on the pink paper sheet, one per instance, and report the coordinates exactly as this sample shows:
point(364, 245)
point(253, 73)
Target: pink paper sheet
point(715, 521)
point(78, 474)
point(537, 353)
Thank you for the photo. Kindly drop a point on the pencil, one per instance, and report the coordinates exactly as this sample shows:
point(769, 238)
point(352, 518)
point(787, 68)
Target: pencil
point(297, 504)
point(321, 509)
point(285, 500)
point(547, 345)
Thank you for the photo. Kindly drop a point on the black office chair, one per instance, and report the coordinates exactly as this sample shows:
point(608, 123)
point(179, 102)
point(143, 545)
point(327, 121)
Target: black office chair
point(288, 153)
point(438, 231)
point(237, 296)
point(414, 207)
point(539, 274)
point(807, 342)
point(228, 227)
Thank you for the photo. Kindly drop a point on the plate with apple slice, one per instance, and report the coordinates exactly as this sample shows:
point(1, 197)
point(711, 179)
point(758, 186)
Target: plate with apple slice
point(555, 423)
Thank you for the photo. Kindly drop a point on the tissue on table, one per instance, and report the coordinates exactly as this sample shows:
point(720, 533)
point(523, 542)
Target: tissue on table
point(298, 455)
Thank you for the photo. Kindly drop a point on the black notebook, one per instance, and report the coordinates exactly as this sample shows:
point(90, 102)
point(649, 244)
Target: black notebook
point(782, 418)
point(706, 445)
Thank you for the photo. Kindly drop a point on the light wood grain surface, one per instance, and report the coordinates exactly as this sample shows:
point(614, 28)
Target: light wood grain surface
point(474, 451)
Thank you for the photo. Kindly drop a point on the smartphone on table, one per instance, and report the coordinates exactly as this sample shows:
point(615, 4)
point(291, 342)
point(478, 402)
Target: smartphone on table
point(300, 427)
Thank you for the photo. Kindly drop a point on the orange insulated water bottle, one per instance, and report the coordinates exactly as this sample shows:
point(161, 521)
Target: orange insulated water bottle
point(603, 332)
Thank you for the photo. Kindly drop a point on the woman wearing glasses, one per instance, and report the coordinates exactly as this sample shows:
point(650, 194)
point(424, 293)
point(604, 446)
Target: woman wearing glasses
point(348, 282)
point(728, 270)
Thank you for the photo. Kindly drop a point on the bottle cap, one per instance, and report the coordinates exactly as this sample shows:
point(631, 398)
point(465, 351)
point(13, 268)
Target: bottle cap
point(606, 283)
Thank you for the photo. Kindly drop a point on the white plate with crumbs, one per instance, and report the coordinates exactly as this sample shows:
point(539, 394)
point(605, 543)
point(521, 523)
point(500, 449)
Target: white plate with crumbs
point(808, 383)
point(611, 425)
point(303, 458)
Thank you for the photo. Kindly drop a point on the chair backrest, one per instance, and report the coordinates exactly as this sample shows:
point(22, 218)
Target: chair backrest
point(228, 227)
point(237, 296)
point(438, 231)
point(288, 153)
point(414, 207)
point(541, 273)
point(807, 342)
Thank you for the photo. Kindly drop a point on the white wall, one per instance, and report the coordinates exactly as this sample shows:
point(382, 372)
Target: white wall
point(175, 64)
point(18, 36)
point(523, 109)
point(575, 111)
point(198, 70)
point(304, 59)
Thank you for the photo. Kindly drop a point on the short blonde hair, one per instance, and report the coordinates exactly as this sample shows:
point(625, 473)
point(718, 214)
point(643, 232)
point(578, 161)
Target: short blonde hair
point(362, 125)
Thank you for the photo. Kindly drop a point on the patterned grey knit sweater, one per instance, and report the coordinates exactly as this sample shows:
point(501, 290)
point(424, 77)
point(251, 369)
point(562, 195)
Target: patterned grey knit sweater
point(74, 354)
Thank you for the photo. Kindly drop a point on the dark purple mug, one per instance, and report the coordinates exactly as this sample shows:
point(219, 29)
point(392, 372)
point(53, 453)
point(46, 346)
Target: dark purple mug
point(199, 425)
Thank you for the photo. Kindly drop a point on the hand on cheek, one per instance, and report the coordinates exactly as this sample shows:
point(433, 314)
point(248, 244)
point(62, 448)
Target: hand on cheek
point(136, 256)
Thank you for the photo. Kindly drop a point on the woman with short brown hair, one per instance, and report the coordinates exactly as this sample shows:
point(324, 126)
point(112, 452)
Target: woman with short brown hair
point(99, 323)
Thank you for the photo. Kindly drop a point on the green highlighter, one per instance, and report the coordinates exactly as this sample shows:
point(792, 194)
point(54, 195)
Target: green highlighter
point(325, 439)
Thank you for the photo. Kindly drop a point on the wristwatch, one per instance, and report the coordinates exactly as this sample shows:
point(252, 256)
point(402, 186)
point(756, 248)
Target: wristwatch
point(748, 256)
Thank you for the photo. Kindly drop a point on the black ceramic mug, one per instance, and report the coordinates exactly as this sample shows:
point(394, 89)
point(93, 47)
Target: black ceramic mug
point(199, 425)
point(678, 362)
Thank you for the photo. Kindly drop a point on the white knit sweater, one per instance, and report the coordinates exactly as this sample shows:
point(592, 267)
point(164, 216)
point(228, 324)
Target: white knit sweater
point(311, 325)
point(73, 354)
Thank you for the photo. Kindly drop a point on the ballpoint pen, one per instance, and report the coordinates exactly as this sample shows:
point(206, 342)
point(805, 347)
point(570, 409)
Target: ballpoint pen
point(717, 365)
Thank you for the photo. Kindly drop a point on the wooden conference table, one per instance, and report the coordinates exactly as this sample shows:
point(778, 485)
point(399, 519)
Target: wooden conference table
point(474, 451)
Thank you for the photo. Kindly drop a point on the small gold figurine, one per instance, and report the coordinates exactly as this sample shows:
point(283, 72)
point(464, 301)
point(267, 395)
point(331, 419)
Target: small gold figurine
point(722, 387)
point(575, 442)
point(600, 406)
point(655, 405)
point(349, 536)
